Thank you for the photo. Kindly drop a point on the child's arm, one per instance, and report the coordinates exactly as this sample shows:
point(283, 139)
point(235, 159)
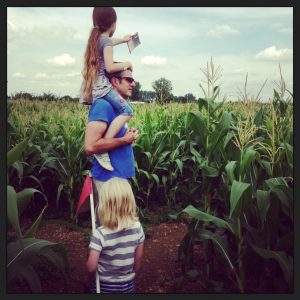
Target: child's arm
point(138, 255)
point(124, 39)
point(92, 261)
point(110, 66)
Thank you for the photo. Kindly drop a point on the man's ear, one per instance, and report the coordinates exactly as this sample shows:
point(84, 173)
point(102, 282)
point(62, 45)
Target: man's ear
point(114, 81)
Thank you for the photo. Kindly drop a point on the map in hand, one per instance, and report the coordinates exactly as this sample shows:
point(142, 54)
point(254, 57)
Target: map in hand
point(134, 42)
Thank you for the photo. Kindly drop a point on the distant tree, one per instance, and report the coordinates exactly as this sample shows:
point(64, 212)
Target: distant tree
point(175, 98)
point(181, 99)
point(136, 92)
point(48, 96)
point(66, 98)
point(189, 97)
point(22, 95)
point(162, 88)
point(147, 96)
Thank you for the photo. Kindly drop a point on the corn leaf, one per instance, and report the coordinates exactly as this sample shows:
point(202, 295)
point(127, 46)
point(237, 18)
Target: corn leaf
point(263, 204)
point(220, 243)
point(31, 232)
point(12, 210)
point(24, 197)
point(30, 276)
point(240, 196)
point(21, 253)
point(15, 153)
point(248, 157)
point(230, 167)
point(285, 261)
point(202, 216)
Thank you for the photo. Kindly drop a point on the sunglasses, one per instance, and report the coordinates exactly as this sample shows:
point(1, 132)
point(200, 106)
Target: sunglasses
point(128, 79)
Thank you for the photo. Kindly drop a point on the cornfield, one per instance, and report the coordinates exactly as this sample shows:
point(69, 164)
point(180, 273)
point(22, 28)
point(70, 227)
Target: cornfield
point(226, 167)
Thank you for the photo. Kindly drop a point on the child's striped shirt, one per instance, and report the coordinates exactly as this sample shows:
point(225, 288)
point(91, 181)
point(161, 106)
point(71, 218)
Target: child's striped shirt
point(117, 249)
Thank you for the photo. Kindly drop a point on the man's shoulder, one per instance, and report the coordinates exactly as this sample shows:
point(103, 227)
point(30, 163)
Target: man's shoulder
point(103, 105)
point(101, 110)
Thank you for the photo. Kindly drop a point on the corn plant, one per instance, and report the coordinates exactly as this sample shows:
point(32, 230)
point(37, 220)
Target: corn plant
point(242, 197)
point(55, 160)
point(229, 166)
point(247, 224)
point(24, 250)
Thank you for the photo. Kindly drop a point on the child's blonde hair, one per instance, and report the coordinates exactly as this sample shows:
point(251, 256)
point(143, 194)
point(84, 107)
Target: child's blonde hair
point(117, 208)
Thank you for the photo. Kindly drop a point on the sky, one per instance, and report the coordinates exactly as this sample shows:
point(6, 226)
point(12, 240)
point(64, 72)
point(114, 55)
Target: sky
point(45, 47)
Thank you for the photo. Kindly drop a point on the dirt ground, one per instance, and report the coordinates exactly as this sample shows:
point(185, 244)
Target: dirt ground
point(160, 267)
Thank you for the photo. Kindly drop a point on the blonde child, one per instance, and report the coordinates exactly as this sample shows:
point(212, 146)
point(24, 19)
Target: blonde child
point(98, 60)
point(116, 247)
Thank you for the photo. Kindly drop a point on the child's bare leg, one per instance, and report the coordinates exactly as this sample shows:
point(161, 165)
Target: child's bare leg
point(116, 125)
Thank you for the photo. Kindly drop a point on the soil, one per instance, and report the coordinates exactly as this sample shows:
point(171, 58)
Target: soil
point(160, 269)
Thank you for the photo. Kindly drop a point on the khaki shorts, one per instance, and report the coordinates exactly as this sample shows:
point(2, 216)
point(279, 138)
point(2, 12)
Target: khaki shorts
point(97, 184)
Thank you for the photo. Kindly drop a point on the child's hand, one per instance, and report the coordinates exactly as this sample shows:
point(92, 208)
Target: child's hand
point(134, 131)
point(129, 65)
point(130, 135)
point(126, 38)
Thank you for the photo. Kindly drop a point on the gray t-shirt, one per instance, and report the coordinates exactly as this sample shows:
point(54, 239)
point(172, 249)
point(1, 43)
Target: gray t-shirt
point(102, 85)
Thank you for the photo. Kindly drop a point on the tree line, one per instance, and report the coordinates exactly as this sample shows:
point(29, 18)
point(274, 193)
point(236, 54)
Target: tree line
point(162, 93)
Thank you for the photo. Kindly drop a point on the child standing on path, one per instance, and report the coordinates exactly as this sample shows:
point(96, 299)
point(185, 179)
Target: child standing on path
point(98, 59)
point(116, 247)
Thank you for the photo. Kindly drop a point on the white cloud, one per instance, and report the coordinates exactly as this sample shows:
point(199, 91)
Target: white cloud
point(285, 30)
point(14, 32)
point(41, 75)
point(18, 75)
point(221, 30)
point(272, 53)
point(62, 60)
point(73, 74)
point(11, 26)
point(153, 60)
point(238, 71)
point(50, 32)
point(281, 28)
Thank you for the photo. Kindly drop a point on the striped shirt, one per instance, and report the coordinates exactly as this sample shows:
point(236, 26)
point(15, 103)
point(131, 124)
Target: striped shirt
point(117, 249)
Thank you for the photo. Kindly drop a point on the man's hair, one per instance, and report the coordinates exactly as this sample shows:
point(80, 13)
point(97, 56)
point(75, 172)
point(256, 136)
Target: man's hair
point(117, 209)
point(115, 74)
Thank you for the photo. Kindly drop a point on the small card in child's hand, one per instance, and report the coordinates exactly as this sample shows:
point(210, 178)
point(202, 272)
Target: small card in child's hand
point(134, 42)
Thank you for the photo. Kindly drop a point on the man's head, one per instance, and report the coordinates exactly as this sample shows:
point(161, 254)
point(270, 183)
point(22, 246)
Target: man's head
point(122, 82)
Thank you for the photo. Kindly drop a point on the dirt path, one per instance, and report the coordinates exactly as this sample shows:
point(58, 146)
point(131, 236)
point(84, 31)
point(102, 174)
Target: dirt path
point(159, 265)
point(159, 269)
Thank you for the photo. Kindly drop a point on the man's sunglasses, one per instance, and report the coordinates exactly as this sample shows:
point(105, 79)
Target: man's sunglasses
point(128, 79)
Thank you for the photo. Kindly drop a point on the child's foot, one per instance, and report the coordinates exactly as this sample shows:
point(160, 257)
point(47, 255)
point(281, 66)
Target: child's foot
point(104, 161)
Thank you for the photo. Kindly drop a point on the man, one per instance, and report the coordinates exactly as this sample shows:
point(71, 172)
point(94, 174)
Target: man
point(101, 114)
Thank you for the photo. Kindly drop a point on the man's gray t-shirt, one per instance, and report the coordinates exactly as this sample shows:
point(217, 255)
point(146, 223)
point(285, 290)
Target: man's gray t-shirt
point(102, 85)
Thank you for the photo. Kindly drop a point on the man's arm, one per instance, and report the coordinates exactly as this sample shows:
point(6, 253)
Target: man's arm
point(95, 143)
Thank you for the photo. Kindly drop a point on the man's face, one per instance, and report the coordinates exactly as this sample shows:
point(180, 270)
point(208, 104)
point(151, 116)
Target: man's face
point(124, 84)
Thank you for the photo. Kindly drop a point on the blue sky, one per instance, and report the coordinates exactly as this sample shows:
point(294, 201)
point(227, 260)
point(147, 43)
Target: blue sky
point(45, 47)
